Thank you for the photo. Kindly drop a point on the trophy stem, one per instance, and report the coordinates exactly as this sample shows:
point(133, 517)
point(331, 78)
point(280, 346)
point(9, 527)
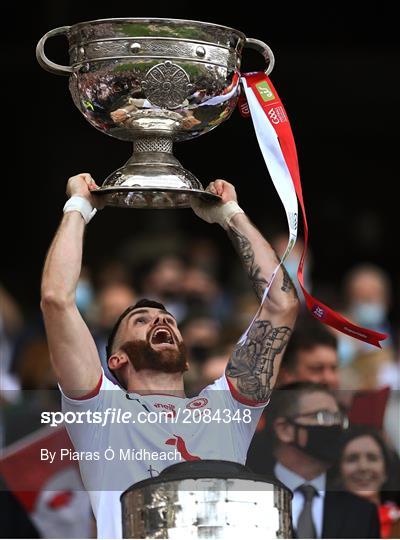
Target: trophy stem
point(153, 150)
point(152, 178)
point(153, 144)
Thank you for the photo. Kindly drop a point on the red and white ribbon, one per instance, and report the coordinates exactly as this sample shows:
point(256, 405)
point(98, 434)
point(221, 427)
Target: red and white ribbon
point(277, 145)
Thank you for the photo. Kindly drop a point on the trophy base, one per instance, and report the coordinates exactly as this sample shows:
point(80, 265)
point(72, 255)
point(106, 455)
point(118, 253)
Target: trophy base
point(152, 178)
point(158, 198)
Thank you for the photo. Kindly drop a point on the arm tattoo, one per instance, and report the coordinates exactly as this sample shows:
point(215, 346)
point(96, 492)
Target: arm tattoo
point(246, 252)
point(252, 364)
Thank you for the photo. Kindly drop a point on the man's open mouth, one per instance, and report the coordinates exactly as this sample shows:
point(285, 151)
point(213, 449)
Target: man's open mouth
point(162, 336)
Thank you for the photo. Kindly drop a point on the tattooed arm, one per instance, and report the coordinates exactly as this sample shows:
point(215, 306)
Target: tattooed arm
point(254, 365)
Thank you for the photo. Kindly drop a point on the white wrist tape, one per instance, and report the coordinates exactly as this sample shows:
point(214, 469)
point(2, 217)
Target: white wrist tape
point(81, 205)
point(227, 211)
point(216, 213)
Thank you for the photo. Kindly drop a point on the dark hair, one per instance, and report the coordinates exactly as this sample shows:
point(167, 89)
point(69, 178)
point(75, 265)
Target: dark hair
point(306, 335)
point(284, 402)
point(285, 399)
point(140, 304)
point(357, 431)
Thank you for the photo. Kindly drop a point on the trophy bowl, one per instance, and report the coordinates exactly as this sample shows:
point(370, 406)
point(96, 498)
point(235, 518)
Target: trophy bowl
point(153, 82)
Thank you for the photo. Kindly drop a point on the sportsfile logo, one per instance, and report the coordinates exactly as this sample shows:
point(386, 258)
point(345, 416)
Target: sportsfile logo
point(265, 91)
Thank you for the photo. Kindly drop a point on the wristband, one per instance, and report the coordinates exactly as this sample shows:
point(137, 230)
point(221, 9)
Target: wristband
point(81, 205)
point(216, 213)
point(227, 211)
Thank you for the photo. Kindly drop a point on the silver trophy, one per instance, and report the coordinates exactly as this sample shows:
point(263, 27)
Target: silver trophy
point(207, 499)
point(153, 82)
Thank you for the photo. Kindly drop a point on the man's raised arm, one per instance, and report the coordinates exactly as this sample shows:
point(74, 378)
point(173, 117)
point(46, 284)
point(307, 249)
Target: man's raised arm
point(73, 352)
point(254, 365)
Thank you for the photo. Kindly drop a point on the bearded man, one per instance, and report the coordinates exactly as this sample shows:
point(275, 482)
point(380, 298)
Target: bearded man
point(146, 354)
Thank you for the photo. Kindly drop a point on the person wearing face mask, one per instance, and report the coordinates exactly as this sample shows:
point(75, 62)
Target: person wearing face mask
point(366, 469)
point(366, 295)
point(304, 430)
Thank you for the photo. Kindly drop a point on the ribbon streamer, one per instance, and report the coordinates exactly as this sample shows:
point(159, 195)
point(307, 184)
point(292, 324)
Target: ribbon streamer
point(277, 145)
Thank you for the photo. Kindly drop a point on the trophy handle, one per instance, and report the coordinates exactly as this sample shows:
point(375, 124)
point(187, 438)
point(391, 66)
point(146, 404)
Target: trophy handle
point(47, 64)
point(265, 50)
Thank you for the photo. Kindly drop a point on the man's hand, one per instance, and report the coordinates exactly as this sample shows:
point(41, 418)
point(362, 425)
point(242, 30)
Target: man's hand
point(83, 185)
point(224, 189)
point(218, 212)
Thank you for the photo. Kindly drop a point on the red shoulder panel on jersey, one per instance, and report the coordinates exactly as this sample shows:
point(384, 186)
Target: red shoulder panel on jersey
point(93, 392)
point(242, 399)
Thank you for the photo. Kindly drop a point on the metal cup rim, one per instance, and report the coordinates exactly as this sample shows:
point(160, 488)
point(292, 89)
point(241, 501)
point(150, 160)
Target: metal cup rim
point(156, 19)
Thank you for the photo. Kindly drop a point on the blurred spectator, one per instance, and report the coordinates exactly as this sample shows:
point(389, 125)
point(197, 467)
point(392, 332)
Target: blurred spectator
point(111, 301)
point(203, 253)
point(372, 382)
point(11, 322)
point(164, 283)
point(365, 469)
point(111, 273)
point(311, 355)
point(201, 335)
point(34, 368)
point(389, 376)
point(10, 325)
point(38, 384)
point(363, 373)
point(202, 292)
point(215, 365)
point(367, 299)
point(301, 441)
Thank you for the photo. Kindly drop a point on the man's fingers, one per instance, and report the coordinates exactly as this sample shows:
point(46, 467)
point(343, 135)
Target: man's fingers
point(221, 186)
point(211, 187)
point(86, 177)
point(83, 185)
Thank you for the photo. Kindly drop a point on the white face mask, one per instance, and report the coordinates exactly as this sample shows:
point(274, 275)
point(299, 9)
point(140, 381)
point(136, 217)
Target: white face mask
point(371, 314)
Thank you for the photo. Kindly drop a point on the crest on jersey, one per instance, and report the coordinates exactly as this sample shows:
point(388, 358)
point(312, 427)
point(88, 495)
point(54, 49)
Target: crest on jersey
point(197, 403)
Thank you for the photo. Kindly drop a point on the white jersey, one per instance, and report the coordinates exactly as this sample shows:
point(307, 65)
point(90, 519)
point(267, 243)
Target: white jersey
point(115, 455)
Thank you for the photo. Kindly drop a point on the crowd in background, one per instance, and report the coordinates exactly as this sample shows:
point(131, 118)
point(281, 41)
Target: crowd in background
point(212, 311)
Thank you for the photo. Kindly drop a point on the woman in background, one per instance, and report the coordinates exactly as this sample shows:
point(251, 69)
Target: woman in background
point(366, 470)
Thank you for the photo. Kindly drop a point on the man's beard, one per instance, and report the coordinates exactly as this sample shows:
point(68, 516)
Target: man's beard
point(143, 356)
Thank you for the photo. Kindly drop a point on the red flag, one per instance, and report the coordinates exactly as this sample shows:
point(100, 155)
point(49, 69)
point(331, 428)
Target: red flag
point(51, 493)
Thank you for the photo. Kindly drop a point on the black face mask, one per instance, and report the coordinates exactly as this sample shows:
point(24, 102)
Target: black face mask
point(323, 442)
